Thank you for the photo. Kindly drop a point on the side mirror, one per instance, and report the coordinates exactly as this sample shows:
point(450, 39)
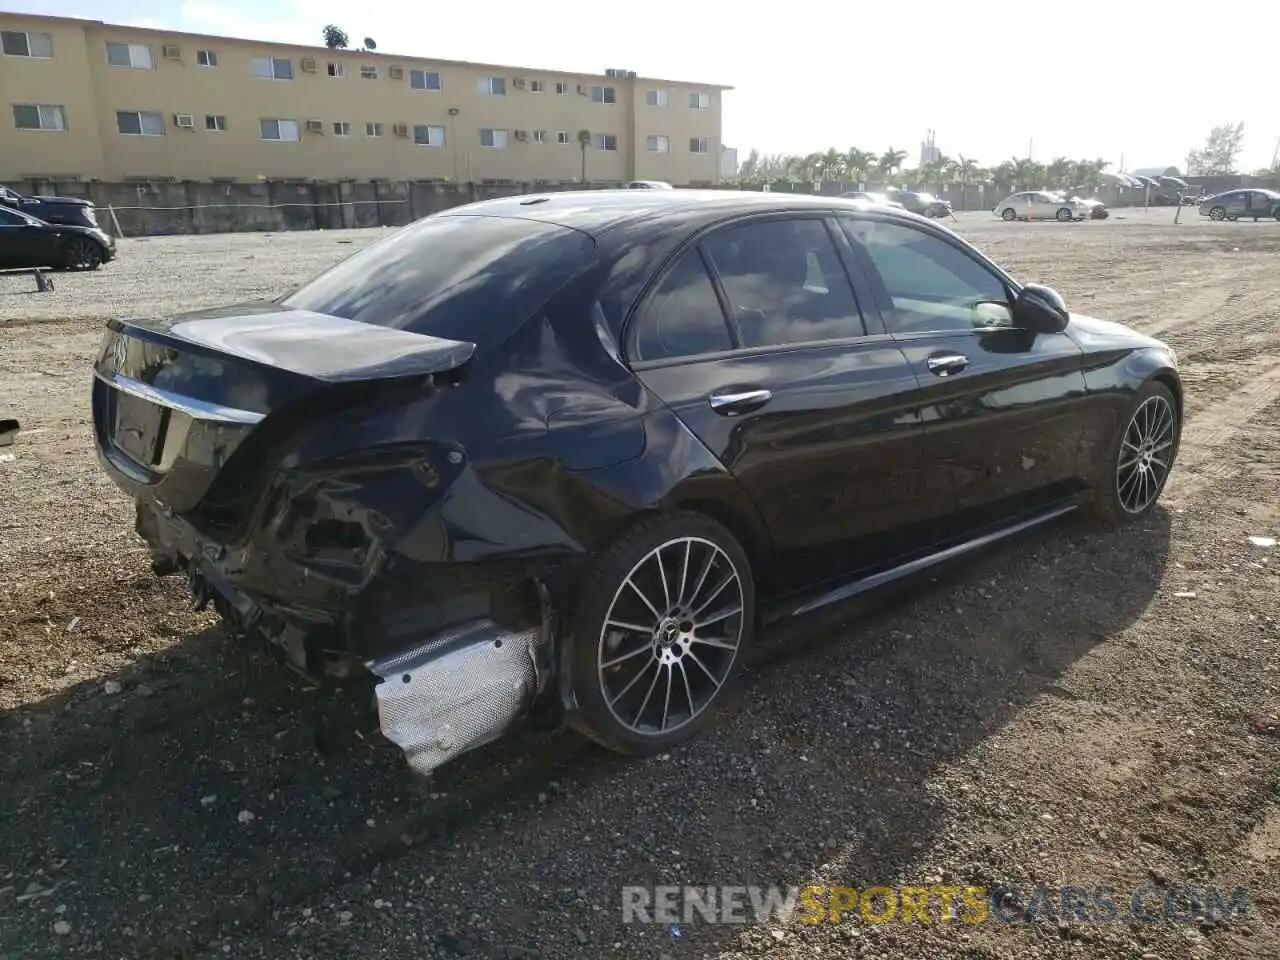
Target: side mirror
point(1040, 310)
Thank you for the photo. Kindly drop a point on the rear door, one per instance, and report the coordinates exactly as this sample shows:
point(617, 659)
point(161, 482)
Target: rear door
point(1000, 406)
point(755, 338)
point(22, 243)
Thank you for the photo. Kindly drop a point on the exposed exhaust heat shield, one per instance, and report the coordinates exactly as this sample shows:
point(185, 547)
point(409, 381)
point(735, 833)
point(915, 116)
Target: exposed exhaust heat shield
point(456, 692)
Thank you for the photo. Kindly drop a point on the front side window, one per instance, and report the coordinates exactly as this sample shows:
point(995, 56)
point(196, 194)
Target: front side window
point(428, 135)
point(784, 283)
point(468, 278)
point(683, 317)
point(278, 129)
point(492, 86)
point(494, 139)
point(604, 95)
point(424, 80)
point(929, 284)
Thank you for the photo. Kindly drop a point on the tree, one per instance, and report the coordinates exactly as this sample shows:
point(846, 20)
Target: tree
point(751, 166)
point(857, 163)
point(584, 141)
point(890, 162)
point(1218, 155)
point(335, 38)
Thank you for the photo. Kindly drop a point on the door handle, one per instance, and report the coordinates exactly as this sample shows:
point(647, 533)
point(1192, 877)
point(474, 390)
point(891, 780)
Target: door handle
point(945, 364)
point(739, 401)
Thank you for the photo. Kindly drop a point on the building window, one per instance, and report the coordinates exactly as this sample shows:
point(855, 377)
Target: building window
point(699, 144)
point(539, 136)
point(699, 101)
point(337, 70)
point(368, 72)
point(373, 130)
point(604, 95)
point(425, 80)
point(496, 139)
point(428, 136)
point(32, 116)
point(537, 86)
point(655, 98)
point(561, 87)
point(492, 86)
point(206, 58)
point(24, 43)
point(215, 121)
point(657, 144)
point(341, 128)
point(278, 129)
point(562, 137)
point(140, 123)
point(272, 68)
point(135, 55)
point(604, 141)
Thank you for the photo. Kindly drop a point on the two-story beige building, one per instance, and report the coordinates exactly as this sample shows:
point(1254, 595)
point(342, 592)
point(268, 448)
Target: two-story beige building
point(94, 101)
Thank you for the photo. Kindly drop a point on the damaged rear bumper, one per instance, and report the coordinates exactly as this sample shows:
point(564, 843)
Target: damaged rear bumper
point(457, 691)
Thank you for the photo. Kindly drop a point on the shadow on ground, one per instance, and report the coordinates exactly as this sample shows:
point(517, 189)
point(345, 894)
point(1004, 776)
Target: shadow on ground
point(220, 800)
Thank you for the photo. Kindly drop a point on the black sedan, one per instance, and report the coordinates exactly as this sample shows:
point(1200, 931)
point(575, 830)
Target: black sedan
point(28, 242)
point(75, 211)
point(563, 456)
point(925, 204)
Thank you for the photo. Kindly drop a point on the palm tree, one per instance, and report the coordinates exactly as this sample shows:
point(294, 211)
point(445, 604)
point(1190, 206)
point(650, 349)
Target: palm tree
point(1027, 174)
point(584, 141)
point(1060, 172)
point(937, 170)
point(335, 38)
point(857, 163)
point(890, 162)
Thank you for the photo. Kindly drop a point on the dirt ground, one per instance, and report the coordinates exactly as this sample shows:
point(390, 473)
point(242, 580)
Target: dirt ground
point(1079, 708)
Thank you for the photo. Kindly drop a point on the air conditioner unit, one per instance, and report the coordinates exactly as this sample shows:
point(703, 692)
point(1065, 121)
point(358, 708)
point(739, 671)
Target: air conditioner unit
point(172, 53)
point(395, 73)
point(522, 134)
point(315, 126)
point(308, 64)
point(519, 83)
point(400, 129)
point(184, 120)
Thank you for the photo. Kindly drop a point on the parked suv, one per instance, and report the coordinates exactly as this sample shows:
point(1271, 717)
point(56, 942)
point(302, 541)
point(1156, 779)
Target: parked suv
point(71, 211)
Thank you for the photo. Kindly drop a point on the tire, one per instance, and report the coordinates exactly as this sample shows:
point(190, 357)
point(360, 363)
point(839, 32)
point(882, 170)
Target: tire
point(1218, 213)
point(1153, 415)
point(83, 255)
point(1009, 214)
point(625, 648)
point(1065, 215)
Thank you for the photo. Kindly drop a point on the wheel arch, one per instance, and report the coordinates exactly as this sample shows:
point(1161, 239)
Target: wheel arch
point(1169, 378)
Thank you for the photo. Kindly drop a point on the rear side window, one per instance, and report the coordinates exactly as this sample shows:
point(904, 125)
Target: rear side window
point(683, 317)
point(457, 277)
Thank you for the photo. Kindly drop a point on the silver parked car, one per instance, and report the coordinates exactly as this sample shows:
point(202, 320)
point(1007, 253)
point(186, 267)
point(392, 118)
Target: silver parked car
point(1253, 204)
point(1040, 205)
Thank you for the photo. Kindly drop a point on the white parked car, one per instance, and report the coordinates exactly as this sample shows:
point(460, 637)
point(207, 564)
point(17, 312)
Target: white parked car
point(1040, 205)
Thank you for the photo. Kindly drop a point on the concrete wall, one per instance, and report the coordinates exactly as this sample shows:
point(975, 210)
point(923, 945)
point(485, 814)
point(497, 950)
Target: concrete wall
point(172, 208)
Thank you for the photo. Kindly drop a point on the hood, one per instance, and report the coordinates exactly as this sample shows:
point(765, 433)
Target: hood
point(1096, 334)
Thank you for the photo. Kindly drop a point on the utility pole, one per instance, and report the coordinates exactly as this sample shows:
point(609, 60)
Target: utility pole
point(1030, 144)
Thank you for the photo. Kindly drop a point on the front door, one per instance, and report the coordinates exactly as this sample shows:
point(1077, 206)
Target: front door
point(755, 339)
point(1000, 406)
point(21, 243)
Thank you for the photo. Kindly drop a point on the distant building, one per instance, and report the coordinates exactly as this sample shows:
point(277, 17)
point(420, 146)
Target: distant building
point(929, 151)
point(728, 161)
point(1156, 172)
point(85, 100)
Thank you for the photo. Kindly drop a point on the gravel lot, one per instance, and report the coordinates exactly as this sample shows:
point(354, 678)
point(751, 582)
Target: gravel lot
point(1078, 708)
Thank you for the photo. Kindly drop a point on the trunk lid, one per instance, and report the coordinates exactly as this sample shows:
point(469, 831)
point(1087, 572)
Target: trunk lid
point(174, 399)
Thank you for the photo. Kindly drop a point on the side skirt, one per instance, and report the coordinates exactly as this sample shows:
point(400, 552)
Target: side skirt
point(866, 584)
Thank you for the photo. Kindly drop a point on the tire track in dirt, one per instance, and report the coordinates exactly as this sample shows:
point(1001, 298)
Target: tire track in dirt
point(1215, 427)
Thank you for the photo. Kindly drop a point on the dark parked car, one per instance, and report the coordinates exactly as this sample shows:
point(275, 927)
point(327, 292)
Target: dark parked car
point(925, 204)
point(1252, 204)
point(28, 242)
point(881, 199)
point(563, 455)
point(74, 211)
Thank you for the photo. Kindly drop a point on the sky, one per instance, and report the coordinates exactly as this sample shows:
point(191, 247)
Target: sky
point(1139, 81)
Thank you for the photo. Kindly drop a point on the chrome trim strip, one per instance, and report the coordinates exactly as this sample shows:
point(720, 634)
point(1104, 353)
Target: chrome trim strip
point(196, 409)
point(915, 566)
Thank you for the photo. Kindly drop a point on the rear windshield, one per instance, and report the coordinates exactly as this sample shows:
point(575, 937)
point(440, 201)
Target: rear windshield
point(458, 277)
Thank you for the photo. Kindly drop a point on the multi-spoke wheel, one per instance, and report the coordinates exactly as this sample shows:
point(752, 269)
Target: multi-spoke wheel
point(659, 632)
point(83, 254)
point(1141, 457)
